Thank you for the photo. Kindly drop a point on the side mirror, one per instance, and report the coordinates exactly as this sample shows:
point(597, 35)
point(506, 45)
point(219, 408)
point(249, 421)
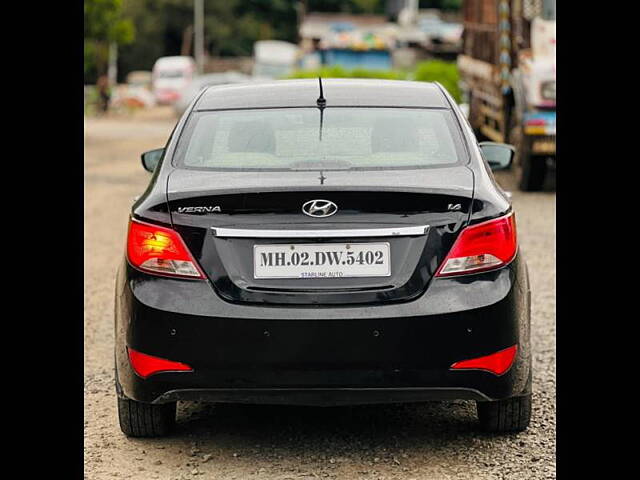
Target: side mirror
point(498, 155)
point(151, 158)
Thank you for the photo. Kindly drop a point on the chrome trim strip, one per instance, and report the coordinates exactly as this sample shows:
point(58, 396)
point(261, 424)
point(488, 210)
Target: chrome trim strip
point(341, 233)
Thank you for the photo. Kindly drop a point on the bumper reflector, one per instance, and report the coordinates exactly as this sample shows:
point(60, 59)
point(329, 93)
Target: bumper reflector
point(496, 363)
point(147, 365)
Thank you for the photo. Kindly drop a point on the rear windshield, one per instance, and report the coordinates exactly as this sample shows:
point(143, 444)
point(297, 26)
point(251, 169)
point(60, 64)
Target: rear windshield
point(308, 139)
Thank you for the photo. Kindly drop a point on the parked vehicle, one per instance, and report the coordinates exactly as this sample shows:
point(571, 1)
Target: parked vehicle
point(170, 76)
point(508, 70)
point(430, 23)
point(274, 58)
point(202, 81)
point(441, 36)
point(330, 243)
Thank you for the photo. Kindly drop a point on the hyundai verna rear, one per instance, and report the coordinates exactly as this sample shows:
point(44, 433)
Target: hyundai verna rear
point(323, 242)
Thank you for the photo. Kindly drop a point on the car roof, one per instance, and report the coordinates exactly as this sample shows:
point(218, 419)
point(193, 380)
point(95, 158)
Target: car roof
point(341, 92)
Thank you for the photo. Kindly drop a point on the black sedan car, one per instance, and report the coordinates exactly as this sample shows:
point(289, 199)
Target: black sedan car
point(323, 242)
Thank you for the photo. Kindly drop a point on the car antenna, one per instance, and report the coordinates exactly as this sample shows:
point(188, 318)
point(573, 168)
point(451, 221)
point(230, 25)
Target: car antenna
point(322, 103)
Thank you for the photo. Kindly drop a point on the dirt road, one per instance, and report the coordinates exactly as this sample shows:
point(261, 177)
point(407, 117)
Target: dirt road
point(432, 441)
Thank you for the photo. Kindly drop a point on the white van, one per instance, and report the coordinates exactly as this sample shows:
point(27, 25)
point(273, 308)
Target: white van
point(170, 76)
point(274, 58)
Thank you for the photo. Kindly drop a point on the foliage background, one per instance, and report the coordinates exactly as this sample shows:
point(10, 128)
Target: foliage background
point(104, 22)
point(428, 71)
point(147, 29)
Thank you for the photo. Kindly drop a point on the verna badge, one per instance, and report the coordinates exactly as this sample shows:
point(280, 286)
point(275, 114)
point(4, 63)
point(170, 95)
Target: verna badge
point(208, 209)
point(319, 208)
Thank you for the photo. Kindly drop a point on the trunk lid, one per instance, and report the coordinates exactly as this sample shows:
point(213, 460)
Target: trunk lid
point(373, 207)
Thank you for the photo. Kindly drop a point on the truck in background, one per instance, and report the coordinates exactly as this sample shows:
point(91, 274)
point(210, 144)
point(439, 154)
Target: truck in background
point(508, 76)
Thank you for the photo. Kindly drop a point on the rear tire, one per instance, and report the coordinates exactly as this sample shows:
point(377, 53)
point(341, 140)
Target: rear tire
point(509, 415)
point(139, 419)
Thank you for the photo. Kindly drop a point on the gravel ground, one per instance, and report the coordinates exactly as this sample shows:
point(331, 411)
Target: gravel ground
point(434, 440)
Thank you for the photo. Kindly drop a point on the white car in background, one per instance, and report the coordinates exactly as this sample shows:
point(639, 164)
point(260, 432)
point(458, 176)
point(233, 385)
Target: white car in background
point(170, 76)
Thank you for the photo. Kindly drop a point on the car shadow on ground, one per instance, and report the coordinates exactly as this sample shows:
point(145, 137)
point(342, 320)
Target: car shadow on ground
point(333, 431)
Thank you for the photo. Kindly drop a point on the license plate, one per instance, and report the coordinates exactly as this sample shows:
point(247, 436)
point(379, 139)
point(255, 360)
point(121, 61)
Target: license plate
point(328, 260)
point(544, 146)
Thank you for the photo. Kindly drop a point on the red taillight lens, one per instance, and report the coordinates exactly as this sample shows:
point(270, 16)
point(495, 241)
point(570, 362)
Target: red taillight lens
point(496, 363)
point(160, 250)
point(147, 365)
point(482, 247)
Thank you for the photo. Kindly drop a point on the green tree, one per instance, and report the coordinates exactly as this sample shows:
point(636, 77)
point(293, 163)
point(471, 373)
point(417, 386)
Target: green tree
point(103, 24)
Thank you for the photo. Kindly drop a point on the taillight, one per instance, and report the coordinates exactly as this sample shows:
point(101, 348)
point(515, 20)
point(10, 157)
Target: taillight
point(160, 250)
point(147, 365)
point(485, 246)
point(496, 363)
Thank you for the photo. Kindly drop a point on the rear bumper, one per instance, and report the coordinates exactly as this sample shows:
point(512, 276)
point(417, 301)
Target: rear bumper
point(321, 397)
point(323, 356)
